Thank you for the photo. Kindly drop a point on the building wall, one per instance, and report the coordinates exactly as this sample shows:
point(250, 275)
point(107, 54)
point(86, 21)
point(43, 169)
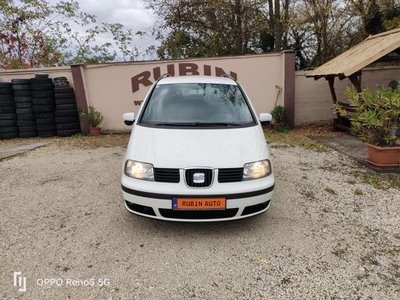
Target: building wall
point(118, 88)
point(313, 100)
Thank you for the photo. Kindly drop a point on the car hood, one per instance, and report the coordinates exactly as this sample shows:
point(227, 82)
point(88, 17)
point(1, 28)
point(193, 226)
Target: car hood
point(183, 148)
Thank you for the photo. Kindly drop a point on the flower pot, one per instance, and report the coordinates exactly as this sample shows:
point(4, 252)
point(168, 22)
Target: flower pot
point(94, 130)
point(383, 157)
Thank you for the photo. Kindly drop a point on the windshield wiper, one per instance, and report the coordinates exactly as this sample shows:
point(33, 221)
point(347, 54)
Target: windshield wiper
point(198, 124)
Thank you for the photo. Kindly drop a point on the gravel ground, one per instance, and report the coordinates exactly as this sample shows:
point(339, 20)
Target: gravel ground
point(327, 235)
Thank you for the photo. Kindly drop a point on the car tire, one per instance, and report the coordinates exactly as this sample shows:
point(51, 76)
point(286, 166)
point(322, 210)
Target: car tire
point(5, 85)
point(50, 115)
point(44, 108)
point(47, 133)
point(7, 104)
point(48, 121)
point(40, 81)
point(42, 94)
point(28, 134)
point(8, 123)
point(63, 90)
point(63, 120)
point(66, 107)
point(21, 111)
point(43, 101)
point(68, 126)
point(23, 123)
point(6, 98)
point(67, 113)
point(23, 105)
point(22, 99)
point(42, 87)
point(49, 127)
point(27, 128)
point(22, 93)
point(8, 116)
point(20, 81)
point(21, 87)
point(65, 96)
point(10, 135)
point(68, 132)
point(8, 129)
point(7, 110)
point(25, 117)
point(65, 101)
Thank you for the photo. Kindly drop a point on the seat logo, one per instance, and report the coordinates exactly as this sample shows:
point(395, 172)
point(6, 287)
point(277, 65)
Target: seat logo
point(198, 178)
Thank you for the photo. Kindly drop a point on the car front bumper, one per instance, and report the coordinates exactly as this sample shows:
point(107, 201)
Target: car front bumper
point(244, 199)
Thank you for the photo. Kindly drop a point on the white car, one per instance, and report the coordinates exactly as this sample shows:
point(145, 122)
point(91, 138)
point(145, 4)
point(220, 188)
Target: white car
point(197, 153)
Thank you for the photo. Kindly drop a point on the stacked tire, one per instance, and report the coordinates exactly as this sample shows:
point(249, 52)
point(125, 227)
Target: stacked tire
point(8, 117)
point(23, 103)
point(44, 105)
point(67, 117)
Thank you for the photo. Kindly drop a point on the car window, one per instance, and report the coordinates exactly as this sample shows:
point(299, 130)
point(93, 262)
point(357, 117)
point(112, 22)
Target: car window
point(197, 104)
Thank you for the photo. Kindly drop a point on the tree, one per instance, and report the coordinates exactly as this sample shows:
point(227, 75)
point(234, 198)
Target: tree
point(208, 28)
point(34, 33)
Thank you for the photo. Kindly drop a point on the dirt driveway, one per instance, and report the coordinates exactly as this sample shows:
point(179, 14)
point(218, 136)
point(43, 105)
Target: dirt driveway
point(333, 232)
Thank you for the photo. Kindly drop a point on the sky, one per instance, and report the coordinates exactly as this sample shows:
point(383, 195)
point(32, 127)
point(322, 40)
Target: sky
point(130, 13)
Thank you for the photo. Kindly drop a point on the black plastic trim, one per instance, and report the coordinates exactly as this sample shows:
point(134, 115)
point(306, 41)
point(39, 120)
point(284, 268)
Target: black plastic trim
point(169, 197)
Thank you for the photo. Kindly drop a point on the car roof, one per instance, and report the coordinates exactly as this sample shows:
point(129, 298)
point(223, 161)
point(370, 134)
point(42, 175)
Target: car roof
point(196, 79)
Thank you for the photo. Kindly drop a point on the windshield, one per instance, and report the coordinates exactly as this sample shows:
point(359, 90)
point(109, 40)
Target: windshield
point(197, 104)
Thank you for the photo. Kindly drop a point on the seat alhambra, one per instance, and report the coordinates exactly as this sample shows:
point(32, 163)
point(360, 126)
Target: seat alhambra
point(197, 153)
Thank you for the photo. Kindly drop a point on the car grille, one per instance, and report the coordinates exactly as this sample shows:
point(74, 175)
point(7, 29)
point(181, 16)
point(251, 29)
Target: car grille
point(206, 214)
point(230, 175)
point(208, 176)
point(166, 175)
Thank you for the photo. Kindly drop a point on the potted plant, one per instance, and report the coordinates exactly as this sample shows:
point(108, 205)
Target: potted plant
point(376, 120)
point(279, 117)
point(93, 118)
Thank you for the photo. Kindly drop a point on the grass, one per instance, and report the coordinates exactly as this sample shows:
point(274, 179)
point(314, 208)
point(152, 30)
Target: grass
point(381, 181)
point(358, 192)
point(299, 137)
point(330, 191)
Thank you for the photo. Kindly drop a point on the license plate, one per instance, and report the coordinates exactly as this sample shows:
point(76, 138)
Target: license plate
point(198, 203)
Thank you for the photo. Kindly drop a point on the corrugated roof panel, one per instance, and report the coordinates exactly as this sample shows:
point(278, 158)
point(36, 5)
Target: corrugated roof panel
point(359, 56)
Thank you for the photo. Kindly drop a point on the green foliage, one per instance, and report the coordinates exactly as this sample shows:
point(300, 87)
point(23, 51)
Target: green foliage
point(377, 115)
point(92, 117)
point(279, 114)
point(35, 33)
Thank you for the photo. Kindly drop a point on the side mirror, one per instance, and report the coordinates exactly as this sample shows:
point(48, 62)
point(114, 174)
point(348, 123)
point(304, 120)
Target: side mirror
point(265, 119)
point(129, 118)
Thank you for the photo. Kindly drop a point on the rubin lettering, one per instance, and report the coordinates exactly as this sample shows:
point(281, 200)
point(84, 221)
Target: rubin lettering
point(144, 78)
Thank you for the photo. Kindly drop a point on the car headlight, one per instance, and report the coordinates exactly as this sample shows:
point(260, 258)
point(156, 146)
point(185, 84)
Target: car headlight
point(139, 170)
point(257, 169)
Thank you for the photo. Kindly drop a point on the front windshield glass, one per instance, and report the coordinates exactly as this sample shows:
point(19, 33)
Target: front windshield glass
point(197, 104)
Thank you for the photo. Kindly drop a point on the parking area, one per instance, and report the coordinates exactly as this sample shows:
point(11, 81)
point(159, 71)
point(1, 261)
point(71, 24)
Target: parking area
point(332, 232)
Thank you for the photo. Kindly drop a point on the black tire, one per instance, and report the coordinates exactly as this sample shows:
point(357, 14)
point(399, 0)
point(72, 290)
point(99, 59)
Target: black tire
point(42, 94)
point(49, 121)
point(65, 107)
point(22, 123)
point(6, 85)
point(28, 134)
point(7, 110)
point(63, 90)
point(68, 126)
point(36, 81)
point(43, 101)
point(65, 96)
point(67, 113)
point(61, 84)
point(6, 98)
point(23, 105)
point(41, 75)
point(7, 123)
point(21, 87)
point(7, 104)
point(25, 111)
point(20, 81)
point(49, 127)
point(27, 128)
point(61, 78)
point(6, 91)
point(23, 93)
point(63, 120)
point(65, 101)
point(44, 108)
point(47, 133)
point(45, 115)
point(43, 87)
point(68, 132)
point(22, 99)
point(10, 135)
point(8, 129)
point(8, 116)
point(26, 117)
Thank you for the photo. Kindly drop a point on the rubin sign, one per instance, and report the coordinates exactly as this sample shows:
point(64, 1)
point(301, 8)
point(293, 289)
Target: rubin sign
point(181, 69)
